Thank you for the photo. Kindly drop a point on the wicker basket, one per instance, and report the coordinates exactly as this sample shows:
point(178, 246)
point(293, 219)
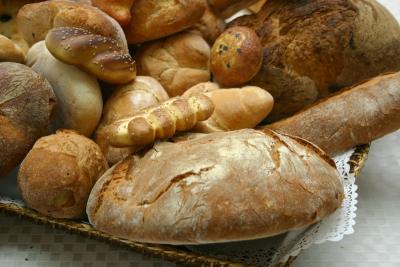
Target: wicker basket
point(175, 254)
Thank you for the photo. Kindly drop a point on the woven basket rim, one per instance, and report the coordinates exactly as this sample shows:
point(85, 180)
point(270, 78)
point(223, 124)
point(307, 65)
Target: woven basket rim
point(177, 254)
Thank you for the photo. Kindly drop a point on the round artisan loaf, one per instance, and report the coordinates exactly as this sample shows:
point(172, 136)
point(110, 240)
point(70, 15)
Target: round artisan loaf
point(35, 20)
point(313, 48)
point(57, 175)
point(26, 104)
point(214, 188)
point(153, 19)
point(177, 62)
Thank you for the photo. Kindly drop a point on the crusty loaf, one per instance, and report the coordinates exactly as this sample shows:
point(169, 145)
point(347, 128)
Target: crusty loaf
point(120, 10)
point(59, 172)
point(314, 48)
point(26, 104)
point(358, 115)
point(215, 188)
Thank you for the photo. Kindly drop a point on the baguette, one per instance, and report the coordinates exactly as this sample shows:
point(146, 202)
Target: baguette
point(357, 115)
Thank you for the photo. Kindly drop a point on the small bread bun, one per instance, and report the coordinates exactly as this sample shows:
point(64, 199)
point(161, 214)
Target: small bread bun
point(120, 10)
point(103, 57)
point(9, 51)
point(57, 175)
point(35, 20)
point(154, 19)
point(26, 105)
point(236, 56)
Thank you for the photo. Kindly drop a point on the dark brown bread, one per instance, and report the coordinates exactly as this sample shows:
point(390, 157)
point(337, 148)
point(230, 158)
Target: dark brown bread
point(216, 188)
point(26, 104)
point(358, 115)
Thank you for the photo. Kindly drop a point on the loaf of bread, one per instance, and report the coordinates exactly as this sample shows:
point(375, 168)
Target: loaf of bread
point(235, 108)
point(160, 121)
point(321, 46)
point(59, 172)
point(219, 187)
point(26, 104)
point(154, 19)
point(355, 116)
point(35, 20)
point(79, 99)
point(236, 56)
point(177, 62)
point(9, 51)
point(101, 56)
point(126, 101)
point(227, 8)
point(120, 10)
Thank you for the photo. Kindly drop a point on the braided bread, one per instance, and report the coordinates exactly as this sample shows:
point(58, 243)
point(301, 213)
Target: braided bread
point(161, 121)
point(99, 55)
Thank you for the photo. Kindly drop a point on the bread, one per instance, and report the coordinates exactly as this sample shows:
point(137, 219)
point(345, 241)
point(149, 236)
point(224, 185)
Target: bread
point(235, 108)
point(100, 56)
point(314, 48)
point(210, 26)
point(236, 56)
point(215, 188)
point(120, 10)
point(227, 8)
point(160, 121)
point(26, 105)
point(78, 94)
point(355, 116)
point(35, 20)
point(153, 19)
point(177, 62)
point(59, 172)
point(9, 51)
point(8, 22)
point(126, 101)
point(256, 7)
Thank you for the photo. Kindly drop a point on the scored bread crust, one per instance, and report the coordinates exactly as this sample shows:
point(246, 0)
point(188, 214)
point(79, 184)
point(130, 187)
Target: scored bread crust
point(214, 188)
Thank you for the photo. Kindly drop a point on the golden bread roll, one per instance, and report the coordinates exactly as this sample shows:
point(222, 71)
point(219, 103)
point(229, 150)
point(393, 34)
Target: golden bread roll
point(160, 121)
point(79, 99)
point(59, 172)
point(103, 57)
point(177, 62)
point(219, 187)
point(120, 10)
point(126, 101)
point(236, 56)
point(235, 108)
point(154, 19)
point(26, 105)
point(355, 116)
point(9, 51)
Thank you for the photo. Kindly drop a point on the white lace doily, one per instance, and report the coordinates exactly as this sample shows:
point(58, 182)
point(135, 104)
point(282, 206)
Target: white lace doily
point(270, 251)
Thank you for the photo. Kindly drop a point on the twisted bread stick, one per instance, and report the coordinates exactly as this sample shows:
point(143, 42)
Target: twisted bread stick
point(161, 121)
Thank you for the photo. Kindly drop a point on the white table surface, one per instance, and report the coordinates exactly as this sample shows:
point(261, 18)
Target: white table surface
point(376, 241)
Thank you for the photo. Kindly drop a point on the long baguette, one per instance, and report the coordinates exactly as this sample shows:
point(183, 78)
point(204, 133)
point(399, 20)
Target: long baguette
point(357, 115)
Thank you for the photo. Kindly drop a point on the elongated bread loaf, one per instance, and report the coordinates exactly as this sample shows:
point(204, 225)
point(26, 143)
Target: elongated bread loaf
point(217, 187)
point(357, 115)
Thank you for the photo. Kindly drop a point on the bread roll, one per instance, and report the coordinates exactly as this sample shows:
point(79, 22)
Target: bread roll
point(59, 172)
point(26, 104)
point(235, 108)
point(314, 48)
point(120, 10)
point(210, 26)
point(35, 20)
point(78, 94)
point(160, 121)
point(154, 19)
point(9, 51)
point(227, 8)
point(236, 56)
point(98, 55)
point(126, 101)
point(220, 187)
point(177, 62)
point(355, 116)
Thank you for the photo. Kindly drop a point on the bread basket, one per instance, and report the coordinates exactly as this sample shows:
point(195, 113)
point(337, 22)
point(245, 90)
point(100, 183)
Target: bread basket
point(177, 254)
